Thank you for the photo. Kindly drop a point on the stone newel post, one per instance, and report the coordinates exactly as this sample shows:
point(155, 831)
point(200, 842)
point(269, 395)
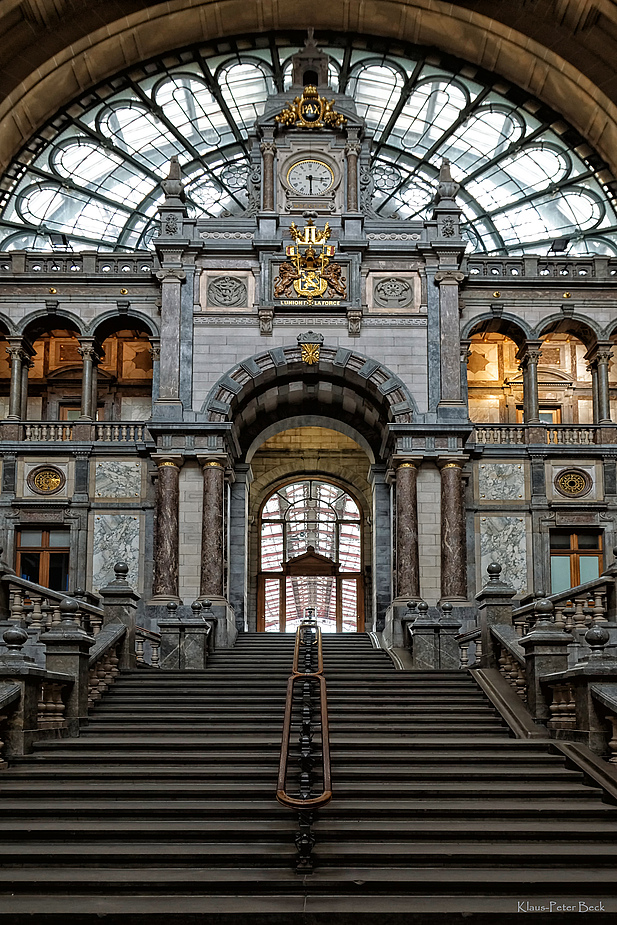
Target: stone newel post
point(167, 530)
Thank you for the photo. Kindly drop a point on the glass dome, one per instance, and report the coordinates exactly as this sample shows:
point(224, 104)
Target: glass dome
point(90, 178)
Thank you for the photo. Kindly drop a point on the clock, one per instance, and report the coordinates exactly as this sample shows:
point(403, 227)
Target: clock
point(310, 177)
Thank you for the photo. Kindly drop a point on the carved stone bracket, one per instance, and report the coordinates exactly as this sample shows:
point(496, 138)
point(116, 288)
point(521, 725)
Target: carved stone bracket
point(266, 319)
point(354, 321)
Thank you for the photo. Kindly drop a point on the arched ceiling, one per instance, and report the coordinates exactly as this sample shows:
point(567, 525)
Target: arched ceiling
point(560, 51)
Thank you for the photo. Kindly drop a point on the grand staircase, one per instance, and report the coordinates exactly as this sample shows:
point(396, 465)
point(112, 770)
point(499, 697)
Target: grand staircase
point(163, 810)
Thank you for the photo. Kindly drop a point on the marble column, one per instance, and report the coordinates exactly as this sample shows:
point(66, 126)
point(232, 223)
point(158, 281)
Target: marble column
point(268, 150)
point(212, 551)
point(26, 365)
point(407, 559)
point(17, 356)
point(352, 152)
point(528, 357)
point(155, 353)
point(165, 585)
point(449, 325)
point(599, 358)
point(453, 545)
point(89, 354)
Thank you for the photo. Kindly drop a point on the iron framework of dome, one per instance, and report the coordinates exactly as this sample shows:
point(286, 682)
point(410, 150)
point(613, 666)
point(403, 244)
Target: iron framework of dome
point(90, 179)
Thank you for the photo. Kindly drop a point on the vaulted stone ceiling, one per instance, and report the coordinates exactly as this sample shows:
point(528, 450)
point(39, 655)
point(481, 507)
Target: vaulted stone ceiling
point(561, 51)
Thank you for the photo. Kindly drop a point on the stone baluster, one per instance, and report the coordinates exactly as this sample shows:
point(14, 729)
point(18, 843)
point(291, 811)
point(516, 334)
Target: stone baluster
point(453, 540)
point(599, 609)
point(407, 556)
point(155, 658)
point(167, 529)
point(36, 617)
point(212, 538)
point(613, 740)
point(268, 151)
point(17, 606)
point(464, 660)
point(139, 649)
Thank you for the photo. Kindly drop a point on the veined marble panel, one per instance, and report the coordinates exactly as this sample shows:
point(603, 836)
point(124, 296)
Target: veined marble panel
point(501, 481)
point(116, 478)
point(115, 539)
point(504, 540)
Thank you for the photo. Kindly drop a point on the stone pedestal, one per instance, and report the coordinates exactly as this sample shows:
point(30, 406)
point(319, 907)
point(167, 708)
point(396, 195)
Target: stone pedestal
point(68, 649)
point(184, 642)
point(120, 604)
point(449, 627)
point(546, 651)
point(425, 639)
point(494, 607)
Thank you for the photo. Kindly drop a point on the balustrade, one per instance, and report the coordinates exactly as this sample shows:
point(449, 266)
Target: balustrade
point(147, 640)
point(101, 432)
point(554, 434)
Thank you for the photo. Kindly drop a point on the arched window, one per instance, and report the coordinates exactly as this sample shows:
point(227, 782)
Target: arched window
point(310, 558)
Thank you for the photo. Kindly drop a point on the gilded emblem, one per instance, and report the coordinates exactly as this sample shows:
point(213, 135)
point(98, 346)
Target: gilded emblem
point(573, 482)
point(311, 111)
point(310, 346)
point(45, 480)
point(309, 272)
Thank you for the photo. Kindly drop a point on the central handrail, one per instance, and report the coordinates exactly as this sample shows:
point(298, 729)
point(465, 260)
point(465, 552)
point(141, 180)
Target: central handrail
point(308, 641)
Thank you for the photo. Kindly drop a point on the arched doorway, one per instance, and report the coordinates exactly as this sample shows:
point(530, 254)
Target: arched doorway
point(310, 558)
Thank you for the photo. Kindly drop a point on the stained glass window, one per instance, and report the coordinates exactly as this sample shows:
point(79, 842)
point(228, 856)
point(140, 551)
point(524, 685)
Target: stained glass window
point(93, 172)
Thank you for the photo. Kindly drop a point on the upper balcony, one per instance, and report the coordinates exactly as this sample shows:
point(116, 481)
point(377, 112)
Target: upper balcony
point(544, 434)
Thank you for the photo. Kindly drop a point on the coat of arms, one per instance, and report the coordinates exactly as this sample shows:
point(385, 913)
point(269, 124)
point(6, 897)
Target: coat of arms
point(309, 272)
point(311, 111)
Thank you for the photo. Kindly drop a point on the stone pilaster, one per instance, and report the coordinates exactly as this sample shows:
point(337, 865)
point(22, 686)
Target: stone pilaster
point(268, 151)
point(449, 314)
point(453, 543)
point(171, 280)
point(352, 152)
point(212, 551)
point(165, 585)
point(407, 558)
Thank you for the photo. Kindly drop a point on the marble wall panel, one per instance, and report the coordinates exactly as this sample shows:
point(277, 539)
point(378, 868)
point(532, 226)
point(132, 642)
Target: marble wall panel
point(503, 539)
point(117, 478)
point(115, 538)
point(501, 481)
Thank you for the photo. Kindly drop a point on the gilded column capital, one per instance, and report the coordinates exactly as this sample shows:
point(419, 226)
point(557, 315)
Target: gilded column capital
point(165, 460)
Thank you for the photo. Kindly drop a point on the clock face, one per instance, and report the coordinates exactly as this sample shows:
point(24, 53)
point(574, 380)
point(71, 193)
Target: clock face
point(310, 177)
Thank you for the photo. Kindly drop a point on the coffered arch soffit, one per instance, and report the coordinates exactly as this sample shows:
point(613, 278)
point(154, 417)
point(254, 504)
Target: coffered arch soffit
point(342, 385)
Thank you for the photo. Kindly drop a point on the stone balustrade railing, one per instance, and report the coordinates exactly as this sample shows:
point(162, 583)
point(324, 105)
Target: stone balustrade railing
point(467, 641)
point(580, 269)
point(559, 655)
point(551, 434)
point(139, 264)
point(75, 431)
point(104, 661)
point(147, 648)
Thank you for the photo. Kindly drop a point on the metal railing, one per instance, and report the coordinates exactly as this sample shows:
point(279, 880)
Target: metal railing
point(305, 703)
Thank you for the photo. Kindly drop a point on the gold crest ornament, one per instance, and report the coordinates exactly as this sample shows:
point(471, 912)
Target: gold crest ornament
point(310, 346)
point(46, 480)
point(311, 111)
point(309, 270)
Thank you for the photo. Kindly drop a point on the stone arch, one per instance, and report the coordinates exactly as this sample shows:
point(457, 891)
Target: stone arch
point(577, 325)
point(70, 53)
point(41, 321)
point(276, 383)
point(7, 328)
point(112, 319)
point(509, 325)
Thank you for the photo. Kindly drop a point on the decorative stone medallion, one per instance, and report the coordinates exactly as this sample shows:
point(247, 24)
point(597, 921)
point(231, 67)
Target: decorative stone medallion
point(227, 292)
point(46, 480)
point(573, 483)
point(393, 293)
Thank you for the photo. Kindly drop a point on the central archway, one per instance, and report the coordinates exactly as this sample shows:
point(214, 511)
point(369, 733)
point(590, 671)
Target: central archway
point(310, 558)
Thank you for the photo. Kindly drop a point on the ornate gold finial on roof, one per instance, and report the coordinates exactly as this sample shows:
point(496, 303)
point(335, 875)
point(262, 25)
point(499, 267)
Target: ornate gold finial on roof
point(311, 111)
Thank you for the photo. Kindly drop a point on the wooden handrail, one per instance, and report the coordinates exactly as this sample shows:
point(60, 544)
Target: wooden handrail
point(317, 677)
